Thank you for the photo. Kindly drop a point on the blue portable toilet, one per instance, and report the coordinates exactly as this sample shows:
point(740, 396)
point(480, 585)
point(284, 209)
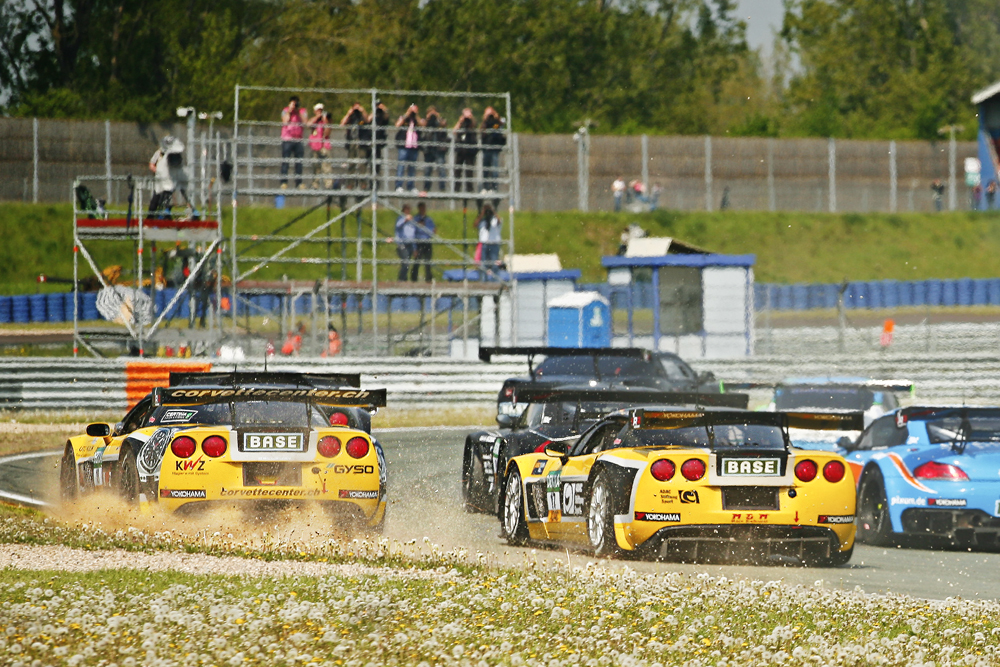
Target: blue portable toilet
point(579, 319)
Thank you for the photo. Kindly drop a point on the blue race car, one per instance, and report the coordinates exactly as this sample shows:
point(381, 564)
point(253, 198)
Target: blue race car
point(930, 472)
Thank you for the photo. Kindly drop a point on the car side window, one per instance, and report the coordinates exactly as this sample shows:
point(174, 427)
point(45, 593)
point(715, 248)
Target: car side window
point(136, 416)
point(592, 442)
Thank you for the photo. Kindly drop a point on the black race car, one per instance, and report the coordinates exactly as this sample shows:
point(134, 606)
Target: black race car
point(554, 413)
point(607, 366)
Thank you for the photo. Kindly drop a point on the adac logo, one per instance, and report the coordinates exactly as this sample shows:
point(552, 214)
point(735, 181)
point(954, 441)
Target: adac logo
point(689, 497)
point(195, 465)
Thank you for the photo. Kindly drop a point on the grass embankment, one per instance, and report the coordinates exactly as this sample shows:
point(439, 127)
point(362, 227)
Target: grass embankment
point(790, 247)
point(421, 606)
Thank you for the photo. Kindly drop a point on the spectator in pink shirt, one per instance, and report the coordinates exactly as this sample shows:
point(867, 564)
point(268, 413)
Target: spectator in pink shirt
point(293, 121)
point(319, 145)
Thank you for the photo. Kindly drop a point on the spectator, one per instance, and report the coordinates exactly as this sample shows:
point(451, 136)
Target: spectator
point(937, 192)
point(380, 121)
point(623, 240)
point(353, 120)
point(435, 148)
point(618, 191)
point(319, 144)
point(293, 341)
point(424, 249)
point(167, 164)
point(493, 139)
point(490, 235)
point(406, 232)
point(465, 150)
point(408, 141)
point(654, 196)
point(991, 194)
point(293, 120)
point(638, 191)
point(333, 343)
point(977, 193)
point(723, 205)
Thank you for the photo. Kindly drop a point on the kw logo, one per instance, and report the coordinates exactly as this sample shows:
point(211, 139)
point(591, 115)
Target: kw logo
point(197, 464)
point(689, 497)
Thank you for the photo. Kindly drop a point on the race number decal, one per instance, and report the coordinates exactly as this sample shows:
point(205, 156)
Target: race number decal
point(554, 496)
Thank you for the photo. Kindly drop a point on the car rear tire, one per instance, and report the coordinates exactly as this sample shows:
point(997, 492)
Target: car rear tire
point(515, 528)
point(601, 518)
point(127, 483)
point(68, 477)
point(836, 560)
point(874, 525)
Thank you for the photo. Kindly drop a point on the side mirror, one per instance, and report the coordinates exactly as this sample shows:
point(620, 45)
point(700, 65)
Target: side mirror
point(557, 449)
point(506, 421)
point(845, 442)
point(99, 430)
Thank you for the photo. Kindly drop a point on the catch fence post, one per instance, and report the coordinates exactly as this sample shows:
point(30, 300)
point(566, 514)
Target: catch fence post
point(831, 149)
point(893, 178)
point(34, 160)
point(771, 199)
point(107, 160)
point(952, 150)
point(708, 172)
point(645, 162)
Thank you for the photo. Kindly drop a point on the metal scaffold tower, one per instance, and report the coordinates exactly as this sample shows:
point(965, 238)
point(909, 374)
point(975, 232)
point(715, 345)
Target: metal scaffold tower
point(130, 284)
point(358, 172)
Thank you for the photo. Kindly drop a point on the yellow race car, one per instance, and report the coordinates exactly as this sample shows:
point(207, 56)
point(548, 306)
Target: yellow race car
point(247, 439)
point(689, 483)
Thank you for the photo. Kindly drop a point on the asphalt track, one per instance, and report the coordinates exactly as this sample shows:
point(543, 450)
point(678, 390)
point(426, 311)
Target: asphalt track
point(424, 466)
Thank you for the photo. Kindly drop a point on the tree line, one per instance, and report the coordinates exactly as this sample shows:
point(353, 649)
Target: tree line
point(842, 68)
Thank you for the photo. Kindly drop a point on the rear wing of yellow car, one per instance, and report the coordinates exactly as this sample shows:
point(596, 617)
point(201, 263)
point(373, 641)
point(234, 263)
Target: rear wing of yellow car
point(244, 378)
point(542, 393)
point(333, 395)
point(853, 420)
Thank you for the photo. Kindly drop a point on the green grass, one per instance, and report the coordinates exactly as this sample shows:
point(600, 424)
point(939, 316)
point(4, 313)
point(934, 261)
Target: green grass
point(428, 607)
point(790, 247)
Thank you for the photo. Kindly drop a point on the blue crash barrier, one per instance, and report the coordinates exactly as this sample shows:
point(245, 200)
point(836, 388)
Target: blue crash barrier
point(880, 294)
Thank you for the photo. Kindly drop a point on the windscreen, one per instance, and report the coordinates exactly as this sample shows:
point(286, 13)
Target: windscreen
point(755, 436)
point(973, 429)
point(209, 414)
point(748, 435)
point(612, 366)
point(689, 436)
point(828, 398)
point(277, 413)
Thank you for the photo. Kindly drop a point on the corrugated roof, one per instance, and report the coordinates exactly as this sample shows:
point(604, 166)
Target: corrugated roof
point(986, 93)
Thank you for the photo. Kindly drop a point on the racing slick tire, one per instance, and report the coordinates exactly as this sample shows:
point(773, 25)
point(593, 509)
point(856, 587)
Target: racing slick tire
point(515, 528)
point(127, 484)
point(601, 518)
point(68, 485)
point(874, 525)
point(473, 479)
point(837, 559)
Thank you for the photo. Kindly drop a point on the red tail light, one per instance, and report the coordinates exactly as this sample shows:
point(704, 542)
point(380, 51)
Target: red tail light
point(806, 470)
point(693, 469)
point(663, 470)
point(935, 470)
point(357, 447)
point(182, 447)
point(833, 471)
point(338, 419)
point(214, 445)
point(328, 446)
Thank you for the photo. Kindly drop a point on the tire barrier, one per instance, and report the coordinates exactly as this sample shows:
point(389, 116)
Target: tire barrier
point(880, 294)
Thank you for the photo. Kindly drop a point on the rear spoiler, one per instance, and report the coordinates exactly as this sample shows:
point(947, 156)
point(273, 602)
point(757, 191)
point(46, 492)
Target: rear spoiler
point(191, 395)
point(539, 393)
point(243, 378)
point(884, 385)
point(487, 353)
point(821, 421)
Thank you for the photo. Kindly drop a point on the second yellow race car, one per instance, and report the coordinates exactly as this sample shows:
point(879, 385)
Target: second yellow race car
point(689, 483)
point(254, 440)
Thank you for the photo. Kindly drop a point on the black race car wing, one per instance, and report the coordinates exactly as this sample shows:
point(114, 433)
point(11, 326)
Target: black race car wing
point(540, 393)
point(487, 353)
point(853, 420)
point(244, 378)
point(192, 394)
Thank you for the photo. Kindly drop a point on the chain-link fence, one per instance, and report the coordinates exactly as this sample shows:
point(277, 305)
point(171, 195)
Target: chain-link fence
point(39, 158)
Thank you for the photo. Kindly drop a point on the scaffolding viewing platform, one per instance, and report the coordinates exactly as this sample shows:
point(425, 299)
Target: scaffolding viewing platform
point(363, 160)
